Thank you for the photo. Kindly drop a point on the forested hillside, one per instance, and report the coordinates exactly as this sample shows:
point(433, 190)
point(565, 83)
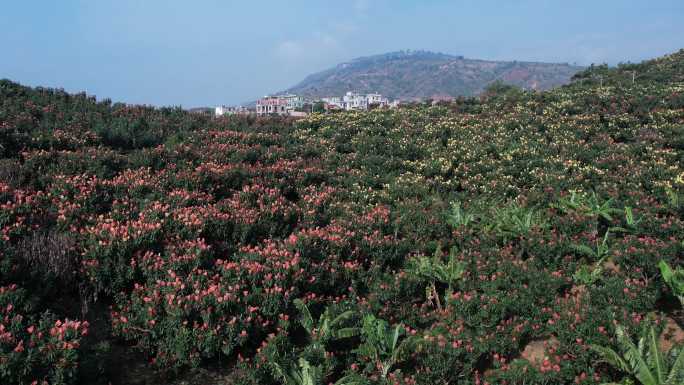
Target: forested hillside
point(513, 238)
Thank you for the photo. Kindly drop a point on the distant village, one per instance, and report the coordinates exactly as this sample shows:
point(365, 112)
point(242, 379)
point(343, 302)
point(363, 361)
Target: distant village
point(297, 106)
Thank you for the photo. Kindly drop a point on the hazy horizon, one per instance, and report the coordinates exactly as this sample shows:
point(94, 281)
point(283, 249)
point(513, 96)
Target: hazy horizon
point(211, 52)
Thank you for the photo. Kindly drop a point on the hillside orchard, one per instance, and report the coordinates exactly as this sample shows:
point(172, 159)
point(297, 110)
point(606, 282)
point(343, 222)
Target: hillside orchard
point(513, 238)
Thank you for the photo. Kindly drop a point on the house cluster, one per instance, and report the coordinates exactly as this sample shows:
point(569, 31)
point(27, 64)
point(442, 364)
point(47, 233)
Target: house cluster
point(295, 105)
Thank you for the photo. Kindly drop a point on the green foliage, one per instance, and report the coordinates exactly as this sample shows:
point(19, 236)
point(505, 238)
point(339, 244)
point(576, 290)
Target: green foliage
point(36, 347)
point(588, 275)
point(328, 327)
point(674, 279)
point(590, 205)
point(663, 70)
point(673, 199)
point(383, 345)
point(458, 217)
point(304, 374)
point(599, 253)
point(644, 360)
point(514, 221)
point(318, 107)
point(432, 270)
point(500, 89)
point(630, 220)
point(307, 374)
point(245, 241)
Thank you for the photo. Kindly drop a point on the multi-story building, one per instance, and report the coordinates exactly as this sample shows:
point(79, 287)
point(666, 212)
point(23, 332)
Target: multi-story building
point(377, 99)
point(294, 102)
point(271, 105)
point(280, 104)
point(354, 101)
point(357, 101)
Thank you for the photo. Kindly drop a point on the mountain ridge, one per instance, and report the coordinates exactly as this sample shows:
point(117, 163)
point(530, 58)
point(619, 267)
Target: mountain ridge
point(424, 74)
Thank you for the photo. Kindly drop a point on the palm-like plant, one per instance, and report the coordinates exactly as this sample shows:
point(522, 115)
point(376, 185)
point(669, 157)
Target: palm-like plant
point(458, 217)
point(303, 374)
point(514, 220)
point(328, 326)
point(600, 251)
point(588, 274)
point(644, 360)
point(434, 270)
point(382, 343)
point(673, 198)
point(596, 208)
point(589, 205)
point(631, 221)
point(674, 279)
point(306, 374)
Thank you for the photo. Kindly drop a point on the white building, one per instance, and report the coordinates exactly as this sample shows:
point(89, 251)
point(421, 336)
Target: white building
point(221, 110)
point(294, 102)
point(377, 99)
point(280, 105)
point(354, 101)
point(230, 110)
point(357, 101)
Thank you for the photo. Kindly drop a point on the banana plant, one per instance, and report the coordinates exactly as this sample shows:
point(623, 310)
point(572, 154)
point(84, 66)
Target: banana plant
point(629, 218)
point(328, 326)
point(307, 374)
point(458, 217)
point(674, 279)
point(673, 199)
point(383, 344)
point(513, 221)
point(600, 252)
point(600, 209)
point(644, 360)
point(303, 374)
point(588, 275)
point(588, 205)
point(434, 270)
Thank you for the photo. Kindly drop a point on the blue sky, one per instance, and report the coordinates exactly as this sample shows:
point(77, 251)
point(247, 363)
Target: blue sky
point(208, 52)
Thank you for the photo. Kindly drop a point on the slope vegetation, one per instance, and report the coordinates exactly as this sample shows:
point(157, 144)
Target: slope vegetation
point(493, 240)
